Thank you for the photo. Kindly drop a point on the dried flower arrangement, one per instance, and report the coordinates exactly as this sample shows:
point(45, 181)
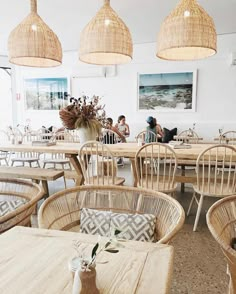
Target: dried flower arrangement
point(84, 112)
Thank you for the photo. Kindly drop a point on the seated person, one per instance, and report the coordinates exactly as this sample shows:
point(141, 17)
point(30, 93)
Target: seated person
point(155, 128)
point(122, 126)
point(109, 140)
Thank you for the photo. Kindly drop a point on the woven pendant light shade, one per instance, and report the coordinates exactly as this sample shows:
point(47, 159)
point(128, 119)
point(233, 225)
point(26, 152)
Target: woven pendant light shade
point(33, 43)
point(188, 33)
point(106, 40)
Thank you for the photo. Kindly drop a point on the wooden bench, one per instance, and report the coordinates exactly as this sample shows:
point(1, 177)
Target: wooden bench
point(35, 174)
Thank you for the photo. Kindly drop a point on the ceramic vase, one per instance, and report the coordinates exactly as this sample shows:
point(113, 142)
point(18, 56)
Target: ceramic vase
point(86, 134)
point(84, 281)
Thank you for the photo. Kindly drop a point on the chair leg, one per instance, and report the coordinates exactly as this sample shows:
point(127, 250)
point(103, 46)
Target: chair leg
point(198, 212)
point(191, 203)
point(64, 178)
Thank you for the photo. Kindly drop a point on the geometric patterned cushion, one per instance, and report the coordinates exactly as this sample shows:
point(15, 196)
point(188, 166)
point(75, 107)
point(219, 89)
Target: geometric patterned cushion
point(7, 206)
point(95, 222)
point(138, 227)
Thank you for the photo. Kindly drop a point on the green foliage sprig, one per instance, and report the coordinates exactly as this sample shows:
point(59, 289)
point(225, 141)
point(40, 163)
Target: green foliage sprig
point(97, 249)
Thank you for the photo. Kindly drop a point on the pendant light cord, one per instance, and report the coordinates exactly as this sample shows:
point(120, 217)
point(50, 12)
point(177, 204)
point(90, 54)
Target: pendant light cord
point(33, 6)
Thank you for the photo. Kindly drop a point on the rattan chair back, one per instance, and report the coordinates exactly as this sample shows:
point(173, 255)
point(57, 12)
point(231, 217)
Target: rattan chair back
point(216, 171)
point(14, 189)
point(63, 136)
point(59, 159)
point(188, 136)
point(228, 137)
point(109, 137)
point(216, 175)
point(146, 136)
point(156, 167)
point(61, 211)
point(98, 164)
point(23, 157)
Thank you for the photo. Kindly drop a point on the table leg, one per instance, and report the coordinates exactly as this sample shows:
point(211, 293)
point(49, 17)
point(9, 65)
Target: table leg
point(75, 162)
point(182, 174)
point(133, 169)
point(45, 188)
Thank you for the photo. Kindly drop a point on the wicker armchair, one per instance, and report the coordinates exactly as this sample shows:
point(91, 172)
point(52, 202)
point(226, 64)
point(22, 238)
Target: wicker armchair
point(14, 190)
point(221, 221)
point(61, 211)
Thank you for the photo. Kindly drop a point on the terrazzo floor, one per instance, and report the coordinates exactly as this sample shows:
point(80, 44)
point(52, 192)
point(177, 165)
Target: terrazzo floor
point(199, 264)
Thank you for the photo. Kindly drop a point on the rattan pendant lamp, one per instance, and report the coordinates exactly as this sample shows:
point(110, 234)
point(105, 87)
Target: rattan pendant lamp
point(188, 33)
point(33, 43)
point(106, 40)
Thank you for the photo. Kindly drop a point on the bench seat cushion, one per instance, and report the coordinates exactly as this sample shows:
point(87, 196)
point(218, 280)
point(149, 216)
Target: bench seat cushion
point(139, 227)
point(7, 206)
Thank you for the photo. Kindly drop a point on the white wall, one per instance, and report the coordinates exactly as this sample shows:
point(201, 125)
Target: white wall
point(5, 95)
point(216, 90)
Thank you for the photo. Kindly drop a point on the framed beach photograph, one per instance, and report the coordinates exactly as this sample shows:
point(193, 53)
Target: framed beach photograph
point(46, 93)
point(167, 91)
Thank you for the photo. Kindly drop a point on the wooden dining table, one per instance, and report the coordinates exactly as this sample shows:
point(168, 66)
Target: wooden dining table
point(36, 261)
point(69, 149)
point(185, 156)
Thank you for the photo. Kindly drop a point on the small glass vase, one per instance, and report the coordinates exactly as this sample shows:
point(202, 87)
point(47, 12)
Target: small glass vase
point(84, 281)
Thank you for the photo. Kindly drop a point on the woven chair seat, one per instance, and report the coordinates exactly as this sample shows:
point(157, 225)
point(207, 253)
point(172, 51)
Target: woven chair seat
point(164, 187)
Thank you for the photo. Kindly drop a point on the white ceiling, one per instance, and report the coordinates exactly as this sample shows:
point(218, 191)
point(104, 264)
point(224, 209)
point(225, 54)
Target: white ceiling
point(143, 17)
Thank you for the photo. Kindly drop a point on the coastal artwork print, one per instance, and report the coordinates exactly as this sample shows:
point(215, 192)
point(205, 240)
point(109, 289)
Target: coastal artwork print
point(46, 93)
point(167, 91)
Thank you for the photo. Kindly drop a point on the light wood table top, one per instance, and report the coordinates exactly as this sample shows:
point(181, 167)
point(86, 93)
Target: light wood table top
point(36, 261)
point(67, 148)
point(121, 149)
